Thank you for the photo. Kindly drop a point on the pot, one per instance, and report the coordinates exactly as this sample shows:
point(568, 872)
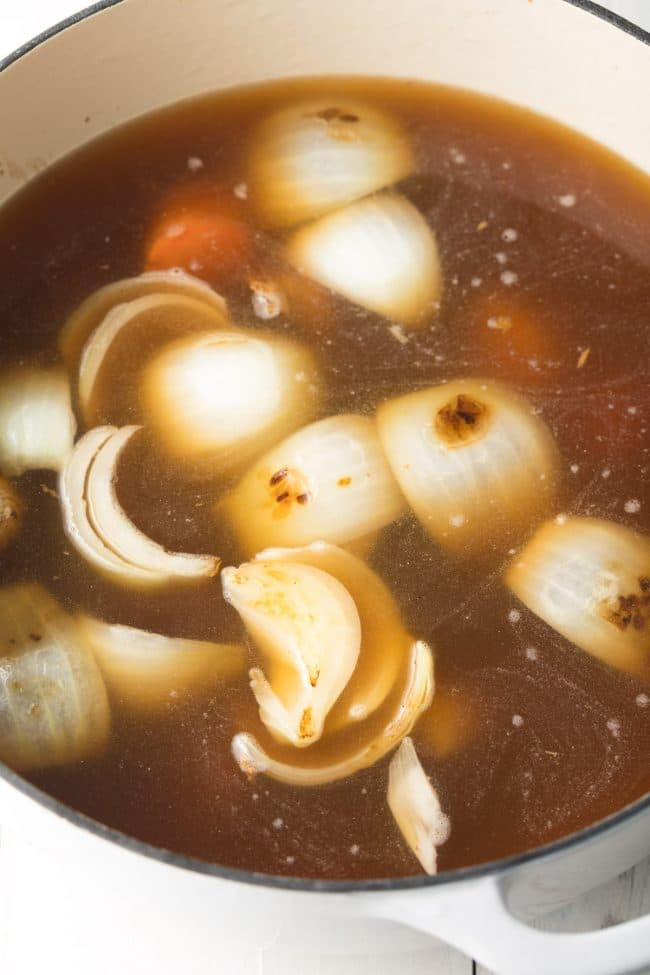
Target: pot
point(568, 59)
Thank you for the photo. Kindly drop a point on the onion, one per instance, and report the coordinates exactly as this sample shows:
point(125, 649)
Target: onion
point(378, 252)
point(225, 396)
point(145, 670)
point(98, 527)
point(328, 481)
point(123, 342)
point(91, 312)
point(415, 806)
point(370, 742)
point(307, 628)
point(320, 154)
point(385, 642)
point(12, 512)
point(37, 426)
point(53, 704)
point(590, 580)
point(474, 461)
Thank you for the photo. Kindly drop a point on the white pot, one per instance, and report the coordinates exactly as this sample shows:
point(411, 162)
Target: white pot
point(141, 909)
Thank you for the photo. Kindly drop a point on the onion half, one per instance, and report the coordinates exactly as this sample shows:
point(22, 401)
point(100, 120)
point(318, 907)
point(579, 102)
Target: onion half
point(319, 154)
point(307, 628)
point(590, 580)
point(37, 425)
point(53, 704)
point(473, 460)
point(122, 344)
point(340, 757)
point(328, 481)
point(224, 396)
point(85, 319)
point(415, 806)
point(100, 530)
point(145, 671)
point(379, 253)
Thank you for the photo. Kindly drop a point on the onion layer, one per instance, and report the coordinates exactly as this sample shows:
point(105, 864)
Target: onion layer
point(340, 757)
point(379, 253)
point(85, 319)
point(473, 460)
point(53, 704)
point(320, 154)
point(225, 396)
point(328, 481)
point(307, 628)
point(146, 671)
point(100, 530)
point(415, 806)
point(123, 342)
point(590, 580)
point(37, 426)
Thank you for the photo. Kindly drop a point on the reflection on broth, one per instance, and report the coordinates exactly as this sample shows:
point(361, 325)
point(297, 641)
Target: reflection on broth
point(324, 528)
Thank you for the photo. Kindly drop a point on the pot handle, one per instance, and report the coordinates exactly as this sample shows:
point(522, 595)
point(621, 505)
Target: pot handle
point(477, 920)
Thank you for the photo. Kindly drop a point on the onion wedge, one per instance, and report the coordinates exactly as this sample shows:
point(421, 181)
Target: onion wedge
point(415, 806)
point(146, 671)
point(98, 527)
point(53, 704)
point(222, 397)
point(85, 319)
point(473, 460)
point(344, 754)
point(329, 480)
point(590, 580)
point(37, 425)
point(320, 154)
point(307, 628)
point(379, 253)
point(123, 342)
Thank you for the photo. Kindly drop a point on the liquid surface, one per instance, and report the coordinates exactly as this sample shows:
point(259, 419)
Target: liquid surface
point(531, 221)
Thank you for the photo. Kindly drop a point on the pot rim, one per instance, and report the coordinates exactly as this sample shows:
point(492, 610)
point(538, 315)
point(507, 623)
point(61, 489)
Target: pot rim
point(306, 884)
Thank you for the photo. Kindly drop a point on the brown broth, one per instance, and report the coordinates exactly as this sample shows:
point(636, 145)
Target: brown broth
point(582, 263)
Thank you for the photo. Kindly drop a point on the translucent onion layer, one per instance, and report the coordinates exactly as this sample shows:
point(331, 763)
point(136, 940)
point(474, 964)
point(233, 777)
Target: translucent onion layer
point(378, 252)
point(225, 396)
point(306, 626)
point(53, 704)
point(147, 671)
point(124, 341)
point(319, 154)
point(474, 461)
point(37, 425)
point(98, 526)
point(328, 481)
point(590, 580)
point(342, 755)
point(415, 806)
point(85, 319)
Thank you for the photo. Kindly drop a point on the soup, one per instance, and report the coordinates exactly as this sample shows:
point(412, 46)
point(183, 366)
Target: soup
point(346, 575)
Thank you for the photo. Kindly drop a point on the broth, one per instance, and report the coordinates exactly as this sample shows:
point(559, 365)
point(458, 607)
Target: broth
point(534, 224)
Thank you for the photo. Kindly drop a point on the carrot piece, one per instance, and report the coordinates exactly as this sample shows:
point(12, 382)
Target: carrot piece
point(204, 231)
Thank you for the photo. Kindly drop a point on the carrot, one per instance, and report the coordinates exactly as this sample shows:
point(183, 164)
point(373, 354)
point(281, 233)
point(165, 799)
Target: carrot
point(204, 231)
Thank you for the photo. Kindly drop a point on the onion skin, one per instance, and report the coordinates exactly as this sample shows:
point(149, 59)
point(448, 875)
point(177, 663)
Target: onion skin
point(53, 704)
point(473, 460)
point(328, 481)
point(589, 579)
point(319, 154)
point(378, 252)
point(85, 319)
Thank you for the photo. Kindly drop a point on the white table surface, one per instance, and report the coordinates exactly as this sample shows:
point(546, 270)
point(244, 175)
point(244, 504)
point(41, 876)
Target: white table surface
point(624, 898)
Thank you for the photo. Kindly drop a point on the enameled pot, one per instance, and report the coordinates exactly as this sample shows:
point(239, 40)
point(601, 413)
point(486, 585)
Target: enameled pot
point(144, 909)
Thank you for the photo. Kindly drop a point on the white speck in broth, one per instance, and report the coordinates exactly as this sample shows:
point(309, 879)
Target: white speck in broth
point(614, 727)
point(510, 235)
point(278, 822)
point(457, 521)
point(476, 282)
point(194, 164)
point(574, 468)
point(514, 616)
point(632, 506)
point(354, 849)
point(567, 200)
point(531, 653)
point(398, 333)
point(642, 700)
point(509, 278)
point(457, 156)
point(241, 191)
point(605, 473)
point(631, 410)
point(517, 720)
point(501, 257)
